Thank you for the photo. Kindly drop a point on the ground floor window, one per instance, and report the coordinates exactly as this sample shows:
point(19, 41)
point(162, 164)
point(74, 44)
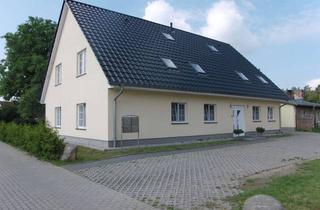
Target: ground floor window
point(178, 112)
point(255, 113)
point(81, 116)
point(270, 113)
point(209, 112)
point(57, 117)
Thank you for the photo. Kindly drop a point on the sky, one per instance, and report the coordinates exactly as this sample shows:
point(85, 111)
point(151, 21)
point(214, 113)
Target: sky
point(281, 38)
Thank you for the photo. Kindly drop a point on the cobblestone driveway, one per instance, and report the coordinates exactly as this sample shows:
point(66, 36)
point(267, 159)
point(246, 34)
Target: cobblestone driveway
point(190, 180)
point(26, 183)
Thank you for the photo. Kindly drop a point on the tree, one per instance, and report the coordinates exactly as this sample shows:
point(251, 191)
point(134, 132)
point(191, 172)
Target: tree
point(23, 71)
point(312, 95)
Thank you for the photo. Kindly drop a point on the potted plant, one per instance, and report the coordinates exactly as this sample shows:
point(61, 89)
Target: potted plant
point(260, 130)
point(238, 132)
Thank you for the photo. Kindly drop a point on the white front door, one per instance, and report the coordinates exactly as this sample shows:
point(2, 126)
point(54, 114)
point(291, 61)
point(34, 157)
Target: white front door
point(238, 118)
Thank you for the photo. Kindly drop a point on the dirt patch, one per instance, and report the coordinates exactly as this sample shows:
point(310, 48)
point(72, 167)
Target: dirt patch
point(260, 179)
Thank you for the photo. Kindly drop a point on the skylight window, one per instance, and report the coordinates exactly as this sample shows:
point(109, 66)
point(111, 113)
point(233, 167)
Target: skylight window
point(197, 68)
point(168, 36)
point(213, 48)
point(169, 63)
point(242, 75)
point(262, 79)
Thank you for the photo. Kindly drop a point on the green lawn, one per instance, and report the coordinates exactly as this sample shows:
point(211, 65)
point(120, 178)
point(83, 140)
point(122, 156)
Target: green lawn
point(85, 154)
point(317, 130)
point(299, 190)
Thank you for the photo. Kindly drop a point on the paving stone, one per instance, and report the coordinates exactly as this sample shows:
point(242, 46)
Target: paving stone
point(27, 183)
point(191, 180)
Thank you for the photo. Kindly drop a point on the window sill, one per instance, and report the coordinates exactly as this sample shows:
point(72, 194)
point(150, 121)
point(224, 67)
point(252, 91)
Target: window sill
point(271, 121)
point(256, 121)
point(57, 127)
point(81, 128)
point(80, 75)
point(179, 123)
point(210, 122)
point(58, 84)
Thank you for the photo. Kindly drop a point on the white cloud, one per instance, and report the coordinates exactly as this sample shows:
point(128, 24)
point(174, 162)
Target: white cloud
point(313, 84)
point(226, 22)
point(229, 21)
point(303, 25)
point(162, 12)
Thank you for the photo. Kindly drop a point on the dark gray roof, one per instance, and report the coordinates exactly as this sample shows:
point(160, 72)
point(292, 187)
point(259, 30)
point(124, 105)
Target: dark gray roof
point(130, 49)
point(301, 102)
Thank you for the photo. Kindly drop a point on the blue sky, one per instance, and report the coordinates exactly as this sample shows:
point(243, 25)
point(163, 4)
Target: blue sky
point(282, 38)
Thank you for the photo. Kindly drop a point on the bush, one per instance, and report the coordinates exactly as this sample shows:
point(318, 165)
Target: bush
point(260, 130)
point(39, 140)
point(9, 112)
point(238, 131)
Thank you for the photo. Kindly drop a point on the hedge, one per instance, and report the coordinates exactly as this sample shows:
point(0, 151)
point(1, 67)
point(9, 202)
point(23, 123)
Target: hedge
point(39, 140)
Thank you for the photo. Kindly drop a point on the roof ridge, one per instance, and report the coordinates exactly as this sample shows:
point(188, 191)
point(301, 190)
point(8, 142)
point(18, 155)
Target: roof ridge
point(102, 8)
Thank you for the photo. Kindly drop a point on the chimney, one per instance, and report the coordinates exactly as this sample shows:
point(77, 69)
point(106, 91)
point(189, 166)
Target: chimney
point(171, 25)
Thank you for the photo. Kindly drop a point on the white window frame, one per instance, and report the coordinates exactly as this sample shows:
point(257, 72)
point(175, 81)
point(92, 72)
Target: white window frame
point(57, 117)
point(263, 80)
point(81, 119)
point(270, 113)
point(242, 76)
point(197, 68)
point(177, 112)
point(82, 62)
point(207, 113)
point(58, 74)
point(169, 63)
point(255, 115)
point(168, 36)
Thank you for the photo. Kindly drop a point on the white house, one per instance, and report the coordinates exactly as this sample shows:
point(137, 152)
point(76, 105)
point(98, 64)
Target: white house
point(118, 80)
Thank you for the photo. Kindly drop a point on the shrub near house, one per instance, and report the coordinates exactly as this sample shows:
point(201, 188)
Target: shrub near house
point(39, 140)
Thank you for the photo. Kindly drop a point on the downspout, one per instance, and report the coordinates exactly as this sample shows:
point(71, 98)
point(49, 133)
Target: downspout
point(115, 115)
point(280, 121)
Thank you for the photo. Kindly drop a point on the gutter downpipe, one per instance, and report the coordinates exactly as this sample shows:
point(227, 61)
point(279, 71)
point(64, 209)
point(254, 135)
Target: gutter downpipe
point(280, 121)
point(115, 115)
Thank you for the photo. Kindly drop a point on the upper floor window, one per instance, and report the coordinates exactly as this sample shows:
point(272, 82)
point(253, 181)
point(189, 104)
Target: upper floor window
point(169, 63)
point(178, 112)
point(270, 113)
point(81, 63)
point(57, 117)
point(242, 76)
point(255, 113)
point(58, 76)
point(81, 116)
point(209, 112)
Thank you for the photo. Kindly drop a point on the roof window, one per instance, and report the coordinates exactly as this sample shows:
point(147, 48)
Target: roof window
point(168, 36)
point(262, 79)
point(197, 67)
point(242, 75)
point(169, 63)
point(213, 48)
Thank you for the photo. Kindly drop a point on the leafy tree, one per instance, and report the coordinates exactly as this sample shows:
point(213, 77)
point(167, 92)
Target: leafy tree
point(23, 71)
point(312, 95)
